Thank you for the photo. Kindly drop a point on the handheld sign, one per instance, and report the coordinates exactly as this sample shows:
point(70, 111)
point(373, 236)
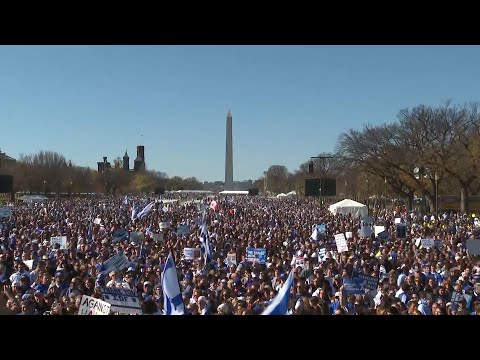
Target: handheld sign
point(341, 243)
point(353, 286)
point(93, 306)
point(232, 259)
point(366, 229)
point(183, 230)
point(164, 225)
point(378, 230)
point(157, 237)
point(473, 246)
point(115, 263)
point(62, 240)
point(427, 243)
point(192, 253)
point(257, 255)
point(123, 301)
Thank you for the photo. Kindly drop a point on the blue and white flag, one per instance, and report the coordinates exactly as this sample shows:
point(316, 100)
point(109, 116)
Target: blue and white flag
point(172, 297)
point(146, 210)
point(134, 211)
point(205, 240)
point(125, 201)
point(314, 236)
point(279, 305)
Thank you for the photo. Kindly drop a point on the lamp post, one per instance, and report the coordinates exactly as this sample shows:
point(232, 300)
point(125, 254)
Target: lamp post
point(436, 194)
point(368, 200)
point(421, 173)
point(45, 187)
point(385, 180)
point(346, 194)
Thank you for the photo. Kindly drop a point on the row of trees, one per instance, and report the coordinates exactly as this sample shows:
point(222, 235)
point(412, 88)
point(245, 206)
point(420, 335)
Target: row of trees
point(49, 172)
point(400, 158)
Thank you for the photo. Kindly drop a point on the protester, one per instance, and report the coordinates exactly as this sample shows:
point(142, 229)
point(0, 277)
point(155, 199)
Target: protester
point(224, 269)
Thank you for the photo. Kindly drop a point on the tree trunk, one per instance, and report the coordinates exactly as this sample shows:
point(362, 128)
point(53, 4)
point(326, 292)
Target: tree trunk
point(464, 199)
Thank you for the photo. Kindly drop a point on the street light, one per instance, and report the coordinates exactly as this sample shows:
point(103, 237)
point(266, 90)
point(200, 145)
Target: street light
point(45, 187)
point(265, 173)
point(436, 194)
point(346, 194)
point(422, 172)
point(385, 193)
point(368, 200)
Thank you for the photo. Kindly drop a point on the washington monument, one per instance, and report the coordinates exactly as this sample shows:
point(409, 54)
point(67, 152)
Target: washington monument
point(229, 155)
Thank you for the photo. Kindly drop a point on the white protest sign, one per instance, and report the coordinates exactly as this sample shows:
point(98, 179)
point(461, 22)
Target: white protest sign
point(157, 237)
point(366, 229)
point(164, 225)
point(341, 243)
point(165, 209)
point(192, 253)
point(93, 306)
point(115, 263)
point(349, 235)
point(428, 243)
point(417, 242)
point(97, 221)
point(231, 259)
point(398, 220)
point(62, 240)
point(29, 264)
point(473, 246)
point(299, 261)
point(123, 301)
point(378, 229)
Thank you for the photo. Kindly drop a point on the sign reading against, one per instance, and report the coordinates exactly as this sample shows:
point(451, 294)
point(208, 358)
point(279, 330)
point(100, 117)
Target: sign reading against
point(62, 240)
point(122, 301)
point(192, 253)
point(93, 306)
point(341, 243)
point(232, 259)
point(115, 263)
point(183, 229)
point(257, 255)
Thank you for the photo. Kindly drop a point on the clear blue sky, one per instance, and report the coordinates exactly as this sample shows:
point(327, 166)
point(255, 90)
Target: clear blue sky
point(288, 102)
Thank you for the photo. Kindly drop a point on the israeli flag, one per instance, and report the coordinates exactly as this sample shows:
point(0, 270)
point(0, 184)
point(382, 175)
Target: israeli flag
point(146, 210)
point(172, 297)
point(134, 211)
point(125, 201)
point(279, 305)
point(205, 240)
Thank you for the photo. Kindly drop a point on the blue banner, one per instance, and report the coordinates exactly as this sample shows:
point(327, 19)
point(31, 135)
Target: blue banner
point(257, 255)
point(353, 286)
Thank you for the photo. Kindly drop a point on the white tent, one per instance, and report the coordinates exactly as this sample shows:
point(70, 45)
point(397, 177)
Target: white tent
point(349, 206)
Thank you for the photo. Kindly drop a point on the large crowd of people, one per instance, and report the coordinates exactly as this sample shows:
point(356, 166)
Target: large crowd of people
point(41, 277)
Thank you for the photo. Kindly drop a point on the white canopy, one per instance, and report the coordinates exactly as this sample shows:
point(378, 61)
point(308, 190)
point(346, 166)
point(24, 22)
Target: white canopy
point(349, 206)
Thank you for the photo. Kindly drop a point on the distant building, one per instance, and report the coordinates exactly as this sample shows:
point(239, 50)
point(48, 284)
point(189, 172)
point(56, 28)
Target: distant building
point(7, 164)
point(126, 162)
point(103, 165)
point(138, 164)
